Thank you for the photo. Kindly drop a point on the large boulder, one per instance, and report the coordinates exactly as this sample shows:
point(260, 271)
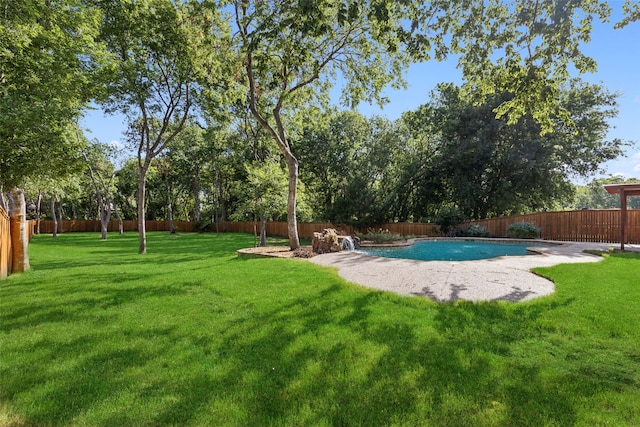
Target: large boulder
point(325, 242)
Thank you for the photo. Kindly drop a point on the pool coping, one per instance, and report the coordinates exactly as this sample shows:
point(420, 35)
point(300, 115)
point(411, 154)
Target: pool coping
point(506, 278)
point(410, 242)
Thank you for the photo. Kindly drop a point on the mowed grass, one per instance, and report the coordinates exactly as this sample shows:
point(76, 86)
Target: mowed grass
point(189, 334)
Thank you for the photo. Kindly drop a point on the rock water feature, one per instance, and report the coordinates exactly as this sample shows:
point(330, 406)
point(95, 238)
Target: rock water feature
point(348, 244)
point(329, 241)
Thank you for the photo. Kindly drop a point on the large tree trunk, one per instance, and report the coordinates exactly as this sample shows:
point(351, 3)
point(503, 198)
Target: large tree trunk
point(292, 222)
point(142, 227)
point(19, 231)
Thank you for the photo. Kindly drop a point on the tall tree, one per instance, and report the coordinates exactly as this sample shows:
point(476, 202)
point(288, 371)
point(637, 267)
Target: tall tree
point(263, 194)
point(48, 64)
point(154, 85)
point(594, 196)
point(490, 167)
point(48, 67)
point(344, 159)
point(291, 50)
point(102, 176)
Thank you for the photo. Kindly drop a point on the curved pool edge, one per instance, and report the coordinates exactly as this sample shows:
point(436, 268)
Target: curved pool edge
point(538, 246)
point(498, 279)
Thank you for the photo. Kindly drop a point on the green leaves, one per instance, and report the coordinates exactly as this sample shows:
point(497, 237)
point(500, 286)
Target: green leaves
point(490, 167)
point(48, 61)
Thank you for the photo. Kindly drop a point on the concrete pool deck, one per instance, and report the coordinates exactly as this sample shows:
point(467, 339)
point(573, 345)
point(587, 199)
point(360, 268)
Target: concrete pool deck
point(507, 278)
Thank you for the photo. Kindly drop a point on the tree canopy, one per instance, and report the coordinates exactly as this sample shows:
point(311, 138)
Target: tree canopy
point(49, 65)
point(250, 80)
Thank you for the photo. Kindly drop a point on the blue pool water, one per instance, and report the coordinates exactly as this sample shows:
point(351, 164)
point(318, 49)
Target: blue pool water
point(451, 250)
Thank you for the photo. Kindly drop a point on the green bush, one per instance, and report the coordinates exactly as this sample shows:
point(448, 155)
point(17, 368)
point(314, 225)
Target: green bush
point(448, 217)
point(380, 236)
point(477, 231)
point(523, 230)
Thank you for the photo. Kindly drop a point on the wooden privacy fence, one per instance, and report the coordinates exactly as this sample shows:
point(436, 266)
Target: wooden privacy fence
point(578, 226)
point(572, 226)
point(88, 225)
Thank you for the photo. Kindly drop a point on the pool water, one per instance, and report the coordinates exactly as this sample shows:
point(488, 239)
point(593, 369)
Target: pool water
point(451, 250)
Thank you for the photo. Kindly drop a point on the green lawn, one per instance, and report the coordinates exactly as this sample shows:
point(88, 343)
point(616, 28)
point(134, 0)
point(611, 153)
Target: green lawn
point(191, 335)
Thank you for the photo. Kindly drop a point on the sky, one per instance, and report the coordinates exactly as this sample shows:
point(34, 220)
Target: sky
point(617, 53)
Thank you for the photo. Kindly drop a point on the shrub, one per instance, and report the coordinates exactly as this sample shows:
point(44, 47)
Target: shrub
point(203, 225)
point(477, 231)
point(380, 236)
point(523, 230)
point(448, 217)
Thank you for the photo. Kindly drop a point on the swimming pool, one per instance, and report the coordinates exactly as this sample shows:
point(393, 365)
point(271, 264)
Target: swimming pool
point(452, 250)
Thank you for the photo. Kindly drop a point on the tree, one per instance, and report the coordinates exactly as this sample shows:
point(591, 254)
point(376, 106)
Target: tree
point(527, 48)
point(594, 196)
point(48, 65)
point(126, 195)
point(491, 167)
point(102, 175)
point(289, 48)
point(154, 84)
point(344, 160)
point(263, 194)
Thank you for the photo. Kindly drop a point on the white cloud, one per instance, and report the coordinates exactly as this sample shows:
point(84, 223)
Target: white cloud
point(619, 175)
point(118, 145)
point(637, 168)
point(636, 156)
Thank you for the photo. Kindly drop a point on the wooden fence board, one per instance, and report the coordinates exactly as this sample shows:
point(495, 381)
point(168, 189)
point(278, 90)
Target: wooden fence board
point(579, 226)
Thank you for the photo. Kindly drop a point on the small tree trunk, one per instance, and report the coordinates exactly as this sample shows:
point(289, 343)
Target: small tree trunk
point(216, 218)
point(19, 231)
point(53, 216)
point(142, 226)
point(119, 218)
point(38, 211)
point(255, 231)
point(172, 228)
point(216, 200)
point(60, 216)
point(196, 200)
point(105, 216)
point(263, 231)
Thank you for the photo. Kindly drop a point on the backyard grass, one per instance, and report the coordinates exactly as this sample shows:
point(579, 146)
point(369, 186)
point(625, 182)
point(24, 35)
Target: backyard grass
point(189, 334)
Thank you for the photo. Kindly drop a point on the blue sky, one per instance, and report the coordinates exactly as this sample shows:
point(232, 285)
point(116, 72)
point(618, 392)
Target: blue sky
point(617, 53)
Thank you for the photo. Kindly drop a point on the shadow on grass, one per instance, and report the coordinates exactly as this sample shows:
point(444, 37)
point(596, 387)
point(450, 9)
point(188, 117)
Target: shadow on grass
point(335, 354)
